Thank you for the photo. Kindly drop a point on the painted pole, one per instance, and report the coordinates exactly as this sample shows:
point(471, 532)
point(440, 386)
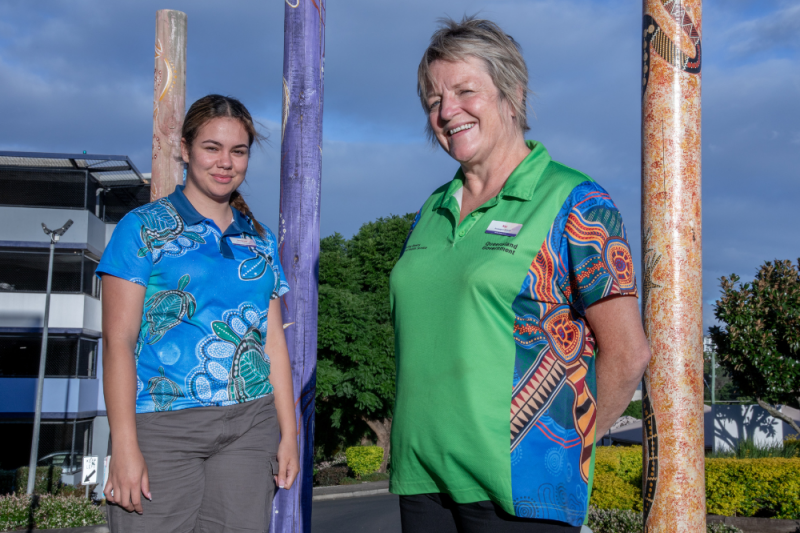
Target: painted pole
point(674, 480)
point(298, 235)
point(169, 102)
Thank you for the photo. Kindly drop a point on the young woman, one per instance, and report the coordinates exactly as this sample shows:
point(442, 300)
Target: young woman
point(197, 379)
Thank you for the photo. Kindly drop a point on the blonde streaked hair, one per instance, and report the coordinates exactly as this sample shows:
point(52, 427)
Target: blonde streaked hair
point(484, 40)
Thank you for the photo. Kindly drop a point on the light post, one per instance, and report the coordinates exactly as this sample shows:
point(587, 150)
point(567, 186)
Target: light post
point(55, 236)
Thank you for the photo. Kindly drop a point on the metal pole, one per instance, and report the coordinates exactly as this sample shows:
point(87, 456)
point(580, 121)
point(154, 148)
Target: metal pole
point(40, 383)
point(674, 462)
point(298, 234)
point(55, 236)
point(713, 378)
point(169, 102)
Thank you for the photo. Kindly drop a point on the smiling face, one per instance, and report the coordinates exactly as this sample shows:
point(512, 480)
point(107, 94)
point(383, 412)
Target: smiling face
point(467, 114)
point(217, 158)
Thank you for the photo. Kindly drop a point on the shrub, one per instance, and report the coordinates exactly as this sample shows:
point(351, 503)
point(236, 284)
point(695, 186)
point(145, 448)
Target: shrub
point(622, 521)
point(753, 487)
point(330, 476)
point(792, 445)
point(614, 521)
point(51, 512)
point(618, 478)
point(364, 460)
point(634, 409)
point(767, 487)
point(48, 480)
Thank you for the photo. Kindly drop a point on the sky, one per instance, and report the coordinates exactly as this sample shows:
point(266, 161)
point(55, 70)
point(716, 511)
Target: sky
point(77, 75)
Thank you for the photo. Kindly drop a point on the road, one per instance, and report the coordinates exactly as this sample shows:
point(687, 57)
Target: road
point(368, 514)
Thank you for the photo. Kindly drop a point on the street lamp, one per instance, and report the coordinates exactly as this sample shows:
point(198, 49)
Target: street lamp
point(55, 236)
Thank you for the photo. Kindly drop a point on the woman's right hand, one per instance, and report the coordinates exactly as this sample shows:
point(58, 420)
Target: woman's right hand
point(127, 478)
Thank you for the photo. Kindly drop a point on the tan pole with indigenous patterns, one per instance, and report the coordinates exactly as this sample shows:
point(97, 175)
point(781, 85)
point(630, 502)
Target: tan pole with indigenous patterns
point(672, 306)
point(169, 102)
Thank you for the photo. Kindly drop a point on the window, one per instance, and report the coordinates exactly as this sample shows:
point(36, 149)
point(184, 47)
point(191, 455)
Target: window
point(73, 271)
point(61, 443)
point(67, 356)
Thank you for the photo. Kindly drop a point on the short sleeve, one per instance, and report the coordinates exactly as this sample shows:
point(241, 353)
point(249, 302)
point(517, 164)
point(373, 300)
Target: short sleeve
point(595, 243)
point(281, 285)
point(126, 255)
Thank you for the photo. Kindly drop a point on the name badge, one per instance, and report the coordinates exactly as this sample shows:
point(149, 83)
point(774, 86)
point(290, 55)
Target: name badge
point(243, 241)
point(506, 229)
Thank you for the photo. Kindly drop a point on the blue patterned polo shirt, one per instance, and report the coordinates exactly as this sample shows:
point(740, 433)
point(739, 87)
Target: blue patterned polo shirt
point(204, 321)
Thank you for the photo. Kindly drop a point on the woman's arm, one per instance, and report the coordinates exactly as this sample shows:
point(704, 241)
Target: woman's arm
point(622, 356)
point(122, 316)
point(281, 379)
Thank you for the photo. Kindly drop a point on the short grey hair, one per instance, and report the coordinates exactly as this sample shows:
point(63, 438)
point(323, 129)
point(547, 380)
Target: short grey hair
point(484, 40)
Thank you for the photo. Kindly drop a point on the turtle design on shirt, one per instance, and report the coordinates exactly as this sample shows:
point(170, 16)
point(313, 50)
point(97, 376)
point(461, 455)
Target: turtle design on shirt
point(164, 232)
point(248, 376)
point(165, 309)
point(163, 390)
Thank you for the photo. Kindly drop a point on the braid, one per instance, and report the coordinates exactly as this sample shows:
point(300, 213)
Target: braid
point(238, 203)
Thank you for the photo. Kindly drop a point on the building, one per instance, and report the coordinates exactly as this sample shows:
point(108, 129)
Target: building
point(95, 192)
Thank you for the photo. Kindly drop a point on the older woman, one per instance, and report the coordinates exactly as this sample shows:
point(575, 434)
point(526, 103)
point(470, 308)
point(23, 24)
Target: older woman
point(518, 336)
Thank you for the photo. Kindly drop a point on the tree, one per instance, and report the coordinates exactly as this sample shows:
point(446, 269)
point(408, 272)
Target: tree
point(356, 367)
point(760, 343)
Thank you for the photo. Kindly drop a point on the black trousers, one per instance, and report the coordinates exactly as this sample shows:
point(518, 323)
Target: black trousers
point(438, 513)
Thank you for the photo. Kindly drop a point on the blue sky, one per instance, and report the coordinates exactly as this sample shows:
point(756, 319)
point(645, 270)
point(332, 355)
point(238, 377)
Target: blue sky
point(77, 75)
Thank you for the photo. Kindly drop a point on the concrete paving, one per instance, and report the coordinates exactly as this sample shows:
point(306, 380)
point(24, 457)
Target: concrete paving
point(367, 514)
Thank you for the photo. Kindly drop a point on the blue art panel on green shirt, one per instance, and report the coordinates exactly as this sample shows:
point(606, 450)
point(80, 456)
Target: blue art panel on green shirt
point(584, 259)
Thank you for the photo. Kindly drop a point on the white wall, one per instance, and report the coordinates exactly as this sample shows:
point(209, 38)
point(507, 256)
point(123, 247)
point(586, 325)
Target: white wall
point(26, 310)
point(735, 422)
point(24, 225)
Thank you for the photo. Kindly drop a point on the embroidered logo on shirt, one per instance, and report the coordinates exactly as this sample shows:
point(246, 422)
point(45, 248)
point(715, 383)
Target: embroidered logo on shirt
point(506, 247)
point(414, 247)
point(506, 229)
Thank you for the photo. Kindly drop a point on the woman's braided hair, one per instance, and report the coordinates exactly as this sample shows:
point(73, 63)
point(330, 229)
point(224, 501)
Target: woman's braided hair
point(218, 106)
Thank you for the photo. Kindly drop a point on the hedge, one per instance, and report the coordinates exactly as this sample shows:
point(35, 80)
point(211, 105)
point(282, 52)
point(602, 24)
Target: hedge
point(364, 460)
point(52, 512)
point(749, 487)
point(617, 478)
point(734, 487)
point(48, 480)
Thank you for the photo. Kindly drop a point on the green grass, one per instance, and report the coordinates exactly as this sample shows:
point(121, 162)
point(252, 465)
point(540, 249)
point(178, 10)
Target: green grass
point(747, 449)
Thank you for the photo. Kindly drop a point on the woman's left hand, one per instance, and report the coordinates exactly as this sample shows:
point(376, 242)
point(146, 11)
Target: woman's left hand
point(288, 463)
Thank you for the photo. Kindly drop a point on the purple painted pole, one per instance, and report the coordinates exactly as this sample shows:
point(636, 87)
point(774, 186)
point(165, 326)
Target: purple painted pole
point(298, 236)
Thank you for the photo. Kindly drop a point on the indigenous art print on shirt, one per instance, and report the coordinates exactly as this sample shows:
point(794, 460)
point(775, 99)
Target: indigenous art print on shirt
point(584, 259)
point(204, 320)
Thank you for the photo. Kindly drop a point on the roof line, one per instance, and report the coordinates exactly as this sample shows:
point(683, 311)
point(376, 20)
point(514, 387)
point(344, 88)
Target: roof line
point(73, 157)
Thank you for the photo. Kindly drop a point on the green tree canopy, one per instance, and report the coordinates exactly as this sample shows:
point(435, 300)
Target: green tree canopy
point(760, 342)
point(356, 368)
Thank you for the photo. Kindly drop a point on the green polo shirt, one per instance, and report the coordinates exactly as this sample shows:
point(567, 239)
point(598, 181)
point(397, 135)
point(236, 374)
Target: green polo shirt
point(471, 307)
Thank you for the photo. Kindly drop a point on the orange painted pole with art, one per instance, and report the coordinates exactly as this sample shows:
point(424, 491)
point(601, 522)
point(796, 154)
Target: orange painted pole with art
point(169, 102)
point(674, 464)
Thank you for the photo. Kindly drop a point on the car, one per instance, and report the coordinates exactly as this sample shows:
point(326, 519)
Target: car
point(62, 459)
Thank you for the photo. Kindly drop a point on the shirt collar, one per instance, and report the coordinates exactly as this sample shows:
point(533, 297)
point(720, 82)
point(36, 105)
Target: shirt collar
point(190, 215)
point(521, 183)
point(184, 207)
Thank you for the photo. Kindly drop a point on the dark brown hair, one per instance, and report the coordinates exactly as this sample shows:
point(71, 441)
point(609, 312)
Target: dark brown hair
point(217, 106)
